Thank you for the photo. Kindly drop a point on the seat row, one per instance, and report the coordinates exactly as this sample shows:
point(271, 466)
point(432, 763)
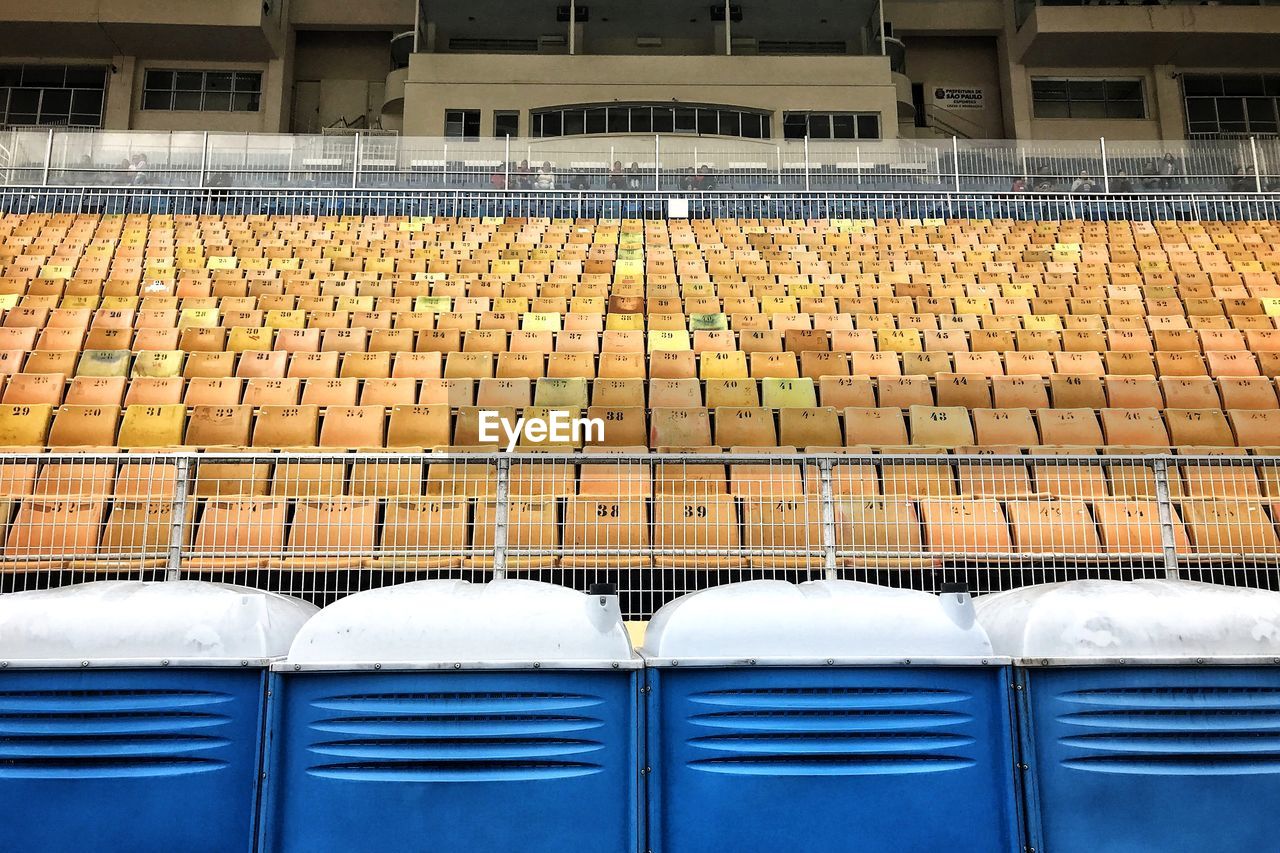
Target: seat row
point(633, 364)
point(972, 390)
point(141, 426)
point(670, 530)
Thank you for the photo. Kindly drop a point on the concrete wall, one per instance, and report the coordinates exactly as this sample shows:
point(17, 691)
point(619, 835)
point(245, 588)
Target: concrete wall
point(439, 82)
point(959, 62)
point(338, 75)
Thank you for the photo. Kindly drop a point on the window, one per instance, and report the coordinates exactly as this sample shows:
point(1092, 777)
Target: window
point(1232, 104)
point(706, 120)
point(1087, 97)
point(202, 91)
point(831, 125)
point(52, 95)
point(462, 123)
point(506, 123)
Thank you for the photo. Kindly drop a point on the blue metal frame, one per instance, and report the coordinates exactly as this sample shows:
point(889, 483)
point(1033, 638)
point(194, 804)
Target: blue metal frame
point(126, 760)
point(482, 761)
point(880, 759)
point(1176, 759)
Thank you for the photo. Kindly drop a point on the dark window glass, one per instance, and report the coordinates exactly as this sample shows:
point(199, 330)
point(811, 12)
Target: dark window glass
point(157, 100)
point(686, 120)
point(1086, 90)
point(462, 123)
point(24, 101)
point(44, 76)
point(56, 103)
point(210, 91)
point(44, 94)
point(663, 120)
point(641, 119)
point(1242, 84)
point(794, 125)
point(730, 123)
point(819, 126)
point(158, 80)
point(506, 123)
point(869, 126)
point(217, 82)
point(86, 77)
point(551, 124)
point(751, 126)
point(619, 119)
point(574, 123)
point(1202, 84)
point(1201, 109)
point(188, 81)
point(1230, 109)
point(217, 101)
point(597, 121)
point(843, 127)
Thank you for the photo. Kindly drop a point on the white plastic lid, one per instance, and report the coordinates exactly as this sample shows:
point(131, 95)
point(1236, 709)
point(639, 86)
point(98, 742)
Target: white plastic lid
point(816, 621)
point(138, 623)
point(1101, 619)
point(442, 623)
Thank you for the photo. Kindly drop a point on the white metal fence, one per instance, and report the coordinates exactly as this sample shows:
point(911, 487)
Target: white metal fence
point(198, 160)
point(656, 524)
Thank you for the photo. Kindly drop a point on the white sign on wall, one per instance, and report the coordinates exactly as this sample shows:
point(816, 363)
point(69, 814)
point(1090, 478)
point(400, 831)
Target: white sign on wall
point(958, 98)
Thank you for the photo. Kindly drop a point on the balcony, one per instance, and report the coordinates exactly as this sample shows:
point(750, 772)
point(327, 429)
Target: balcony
point(231, 30)
point(1238, 33)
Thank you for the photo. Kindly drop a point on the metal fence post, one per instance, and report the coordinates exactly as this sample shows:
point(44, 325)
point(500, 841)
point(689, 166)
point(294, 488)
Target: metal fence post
point(355, 164)
point(1106, 173)
point(1164, 507)
point(1257, 170)
point(657, 162)
point(178, 517)
point(955, 160)
point(506, 164)
point(501, 518)
point(806, 162)
point(48, 160)
point(828, 520)
point(204, 159)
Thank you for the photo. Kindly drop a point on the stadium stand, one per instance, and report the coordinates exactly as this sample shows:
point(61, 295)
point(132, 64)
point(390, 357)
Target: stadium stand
point(1011, 395)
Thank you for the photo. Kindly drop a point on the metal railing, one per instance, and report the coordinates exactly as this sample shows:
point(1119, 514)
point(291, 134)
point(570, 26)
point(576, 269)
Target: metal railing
point(639, 205)
point(636, 163)
point(323, 525)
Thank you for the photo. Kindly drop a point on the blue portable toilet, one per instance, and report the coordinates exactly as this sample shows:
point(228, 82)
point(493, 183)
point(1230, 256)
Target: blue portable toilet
point(827, 716)
point(1149, 713)
point(131, 714)
point(450, 716)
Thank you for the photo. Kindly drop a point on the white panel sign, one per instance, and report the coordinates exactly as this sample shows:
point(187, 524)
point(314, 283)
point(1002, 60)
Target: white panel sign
point(678, 208)
point(958, 99)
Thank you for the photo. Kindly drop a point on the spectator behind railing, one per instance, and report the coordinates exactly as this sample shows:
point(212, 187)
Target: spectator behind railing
point(1019, 185)
point(1120, 182)
point(1083, 184)
point(545, 179)
point(138, 169)
point(1243, 180)
point(706, 179)
point(523, 178)
point(617, 177)
point(633, 176)
point(580, 181)
point(1168, 170)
